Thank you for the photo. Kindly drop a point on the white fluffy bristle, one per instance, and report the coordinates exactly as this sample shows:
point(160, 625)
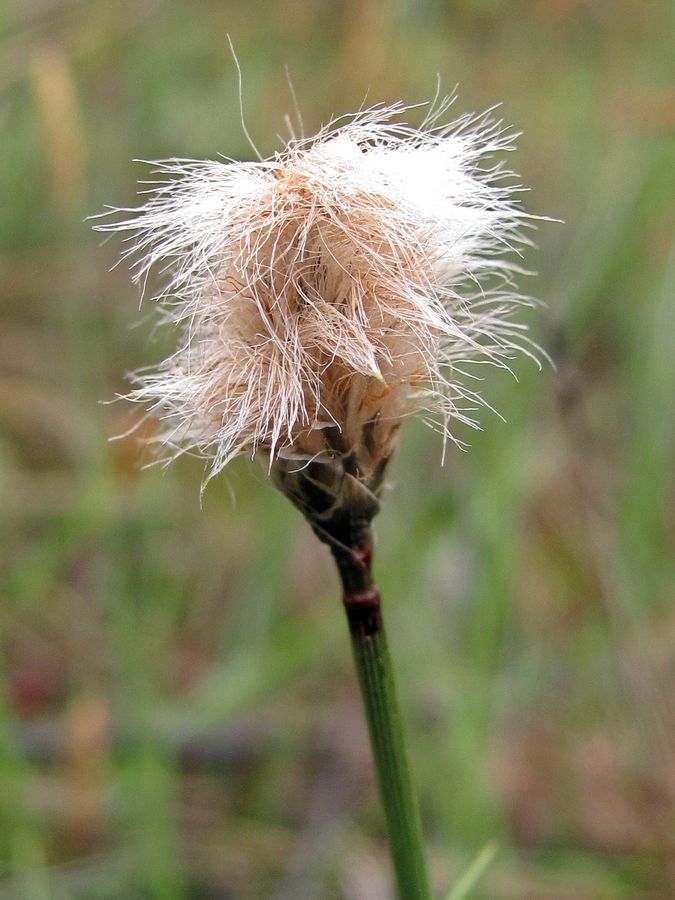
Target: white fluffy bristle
point(350, 279)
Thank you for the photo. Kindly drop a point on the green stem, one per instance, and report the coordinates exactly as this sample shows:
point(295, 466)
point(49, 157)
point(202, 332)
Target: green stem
point(339, 499)
point(387, 737)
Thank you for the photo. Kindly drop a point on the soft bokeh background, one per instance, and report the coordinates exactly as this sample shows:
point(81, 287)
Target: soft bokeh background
point(178, 716)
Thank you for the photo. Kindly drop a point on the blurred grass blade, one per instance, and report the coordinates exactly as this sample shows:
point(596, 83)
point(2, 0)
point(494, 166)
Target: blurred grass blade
point(468, 881)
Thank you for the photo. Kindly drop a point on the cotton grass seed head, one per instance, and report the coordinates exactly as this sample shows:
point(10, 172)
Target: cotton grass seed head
point(324, 295)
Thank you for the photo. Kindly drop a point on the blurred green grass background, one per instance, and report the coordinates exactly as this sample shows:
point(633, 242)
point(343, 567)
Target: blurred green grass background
point(178, 714)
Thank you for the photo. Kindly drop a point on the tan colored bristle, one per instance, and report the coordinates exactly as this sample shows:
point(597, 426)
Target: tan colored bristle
point(343, 285)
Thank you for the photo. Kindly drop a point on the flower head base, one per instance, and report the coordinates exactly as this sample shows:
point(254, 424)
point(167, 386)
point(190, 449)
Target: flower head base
point(324, 295)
